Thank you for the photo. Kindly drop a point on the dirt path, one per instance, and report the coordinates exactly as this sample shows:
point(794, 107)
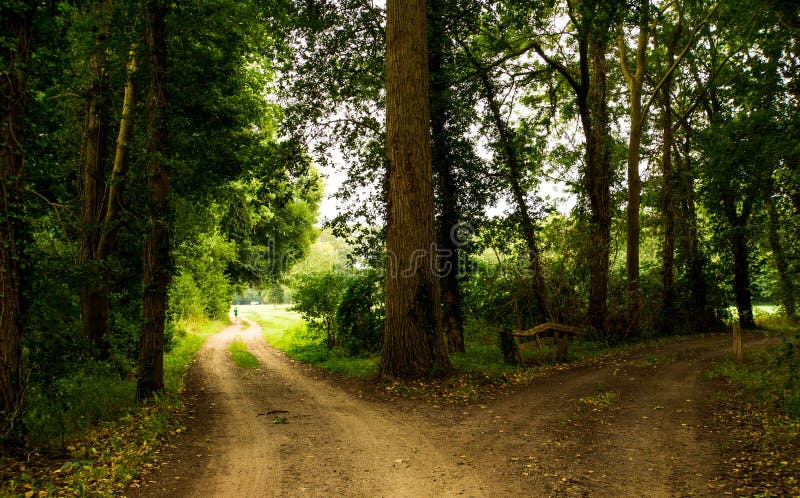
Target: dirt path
point(635, 426)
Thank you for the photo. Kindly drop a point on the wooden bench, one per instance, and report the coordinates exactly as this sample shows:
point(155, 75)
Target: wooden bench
point(543, 335)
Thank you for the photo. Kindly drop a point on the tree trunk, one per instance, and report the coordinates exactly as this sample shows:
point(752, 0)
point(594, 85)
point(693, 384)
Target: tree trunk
point(667, 202)
point(635, 82)
point(15, 56)
point(413, 344)
point(598, 183)
point(93, 298)
point(787, 289)
point(156, 248)
point(447, 200)
point(741, 262)
point(508, 147)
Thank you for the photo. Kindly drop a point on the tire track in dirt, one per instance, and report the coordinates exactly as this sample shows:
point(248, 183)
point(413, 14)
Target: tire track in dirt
point(633, 425)
point(333, 443)
point(637, 425)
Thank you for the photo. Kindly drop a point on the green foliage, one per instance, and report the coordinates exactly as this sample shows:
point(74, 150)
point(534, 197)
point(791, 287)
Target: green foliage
point(285, 330)
point(359, 315)
point(241, 356)
point(76, 401)
point(316, 297)
point(788, 364)
point(189, 338)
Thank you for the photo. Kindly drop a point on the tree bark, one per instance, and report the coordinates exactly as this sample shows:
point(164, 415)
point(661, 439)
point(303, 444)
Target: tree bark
point(413, 344)
point(741, 261)
point(667, 197)
point(157, 244)
point(698, 286)
point(15, 54)
point(93, 297)
point(781, 265)
point(635, 81)
point(667, 202)
point(447, 200)
point(598, 183)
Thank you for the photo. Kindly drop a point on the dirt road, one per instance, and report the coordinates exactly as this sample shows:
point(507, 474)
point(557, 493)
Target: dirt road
point(634, 426)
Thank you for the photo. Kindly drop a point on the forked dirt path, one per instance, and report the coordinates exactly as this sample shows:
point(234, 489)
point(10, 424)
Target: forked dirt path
point(634, 426)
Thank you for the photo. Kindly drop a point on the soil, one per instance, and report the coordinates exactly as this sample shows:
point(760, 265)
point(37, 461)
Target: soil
point(637, 425)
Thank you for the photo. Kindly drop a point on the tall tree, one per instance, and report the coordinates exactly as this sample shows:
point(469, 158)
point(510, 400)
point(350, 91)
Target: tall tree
point(635, 80)
point(442, 162)
point(592, 22)
point(93, 296)
point(413, 343)
point(15, 58)
point(156, 276)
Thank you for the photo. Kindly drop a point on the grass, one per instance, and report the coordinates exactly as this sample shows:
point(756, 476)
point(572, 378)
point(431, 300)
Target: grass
point(285, 329)
point(241, 356)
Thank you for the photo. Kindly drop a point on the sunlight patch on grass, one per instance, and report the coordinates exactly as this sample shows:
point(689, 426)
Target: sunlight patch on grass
point(241, 356)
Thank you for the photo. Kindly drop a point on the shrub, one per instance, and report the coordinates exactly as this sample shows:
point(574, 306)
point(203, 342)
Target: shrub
point(359, 316)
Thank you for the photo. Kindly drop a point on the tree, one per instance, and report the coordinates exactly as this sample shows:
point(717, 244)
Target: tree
point(157, 265)
point(15, 58)
point(413, 344)
point(94, 293)
point(592, 21)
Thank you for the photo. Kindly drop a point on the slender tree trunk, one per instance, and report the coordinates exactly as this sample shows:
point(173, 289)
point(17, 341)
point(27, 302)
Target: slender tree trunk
point(787, 289)
point(667, 202)
point(635, 81)
point(598, 184)
point(508, 146)
point(157, 245)
point(741, 262)
point(667, 197)
point(15, 57)
point(93, 300)
point(116, 185)
point(698, 288)
point(447, 200)
point(413, 344)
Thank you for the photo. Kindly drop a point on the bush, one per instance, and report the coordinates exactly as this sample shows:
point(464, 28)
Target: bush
point(317, 296)
point(359, 316)
point(74, 402)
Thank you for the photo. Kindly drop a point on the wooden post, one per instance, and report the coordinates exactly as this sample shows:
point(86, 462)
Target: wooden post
point(737, 342)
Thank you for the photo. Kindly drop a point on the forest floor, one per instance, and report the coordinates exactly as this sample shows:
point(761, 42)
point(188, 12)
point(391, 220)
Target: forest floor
point(637, 424)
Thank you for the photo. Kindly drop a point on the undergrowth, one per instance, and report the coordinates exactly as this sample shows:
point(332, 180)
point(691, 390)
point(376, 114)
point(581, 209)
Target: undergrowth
point(759, 402)
point(87, 435)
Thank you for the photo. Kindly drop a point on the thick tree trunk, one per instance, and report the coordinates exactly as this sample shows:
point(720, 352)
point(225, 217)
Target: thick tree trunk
point(778, 255)
point(741, 278)
point(93, 296)
point(15, 56)
point(157, 245)
point(413, 343)
point(447, 200)
point(598, 183)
